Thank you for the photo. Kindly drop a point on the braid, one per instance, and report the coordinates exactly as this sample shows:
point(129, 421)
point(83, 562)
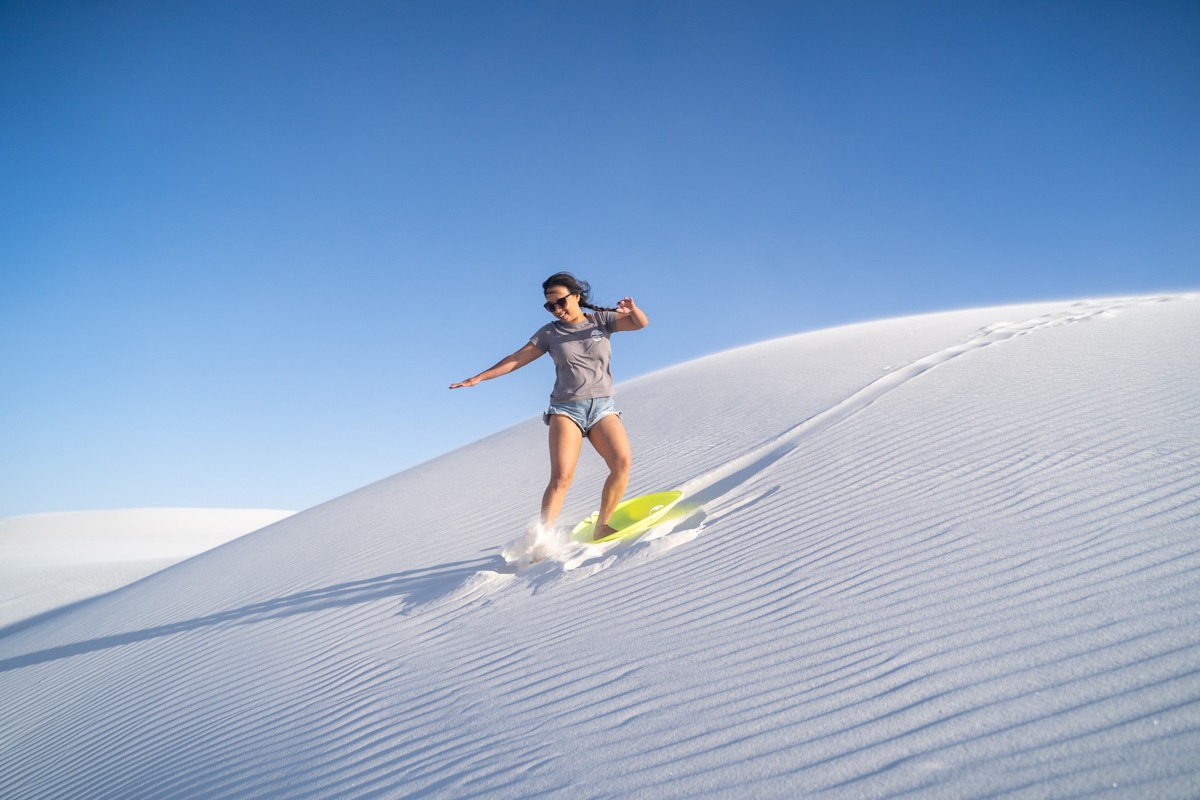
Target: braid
point(574, 286)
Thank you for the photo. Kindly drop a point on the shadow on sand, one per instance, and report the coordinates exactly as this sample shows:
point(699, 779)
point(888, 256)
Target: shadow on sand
point(414, 587)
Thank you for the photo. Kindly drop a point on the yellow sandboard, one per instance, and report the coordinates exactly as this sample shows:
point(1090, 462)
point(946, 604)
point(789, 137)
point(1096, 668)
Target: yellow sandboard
point(630, 518)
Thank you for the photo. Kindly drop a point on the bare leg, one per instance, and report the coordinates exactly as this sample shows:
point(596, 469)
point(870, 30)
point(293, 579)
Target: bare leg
point(566, 440)
point(609, 438)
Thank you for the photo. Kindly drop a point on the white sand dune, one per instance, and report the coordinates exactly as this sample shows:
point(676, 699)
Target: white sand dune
point(48, 561)
point(946, 556)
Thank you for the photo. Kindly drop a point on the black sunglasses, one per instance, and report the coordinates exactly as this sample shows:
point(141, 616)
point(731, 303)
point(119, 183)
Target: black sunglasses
point(561, 302)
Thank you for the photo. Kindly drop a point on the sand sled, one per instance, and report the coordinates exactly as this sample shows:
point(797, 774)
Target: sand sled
point(631, 517)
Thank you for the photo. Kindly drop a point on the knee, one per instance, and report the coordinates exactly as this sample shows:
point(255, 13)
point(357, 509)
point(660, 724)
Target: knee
point(560, 481)
point(620, 465)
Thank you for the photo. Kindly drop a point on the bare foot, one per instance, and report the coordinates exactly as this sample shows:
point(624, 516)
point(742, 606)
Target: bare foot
point(602, 531)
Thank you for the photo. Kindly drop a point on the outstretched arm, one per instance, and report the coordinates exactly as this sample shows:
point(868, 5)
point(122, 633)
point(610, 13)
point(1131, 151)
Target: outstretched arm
point(504, 366)
point(630, 317)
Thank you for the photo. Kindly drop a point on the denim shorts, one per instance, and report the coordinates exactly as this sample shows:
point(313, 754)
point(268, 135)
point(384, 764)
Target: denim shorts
point(585, 413)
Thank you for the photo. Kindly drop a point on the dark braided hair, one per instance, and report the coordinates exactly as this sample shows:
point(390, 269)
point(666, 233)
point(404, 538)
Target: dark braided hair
point(573, 286)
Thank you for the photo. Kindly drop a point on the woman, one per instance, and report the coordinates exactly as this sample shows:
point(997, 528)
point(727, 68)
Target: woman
point(581, 405)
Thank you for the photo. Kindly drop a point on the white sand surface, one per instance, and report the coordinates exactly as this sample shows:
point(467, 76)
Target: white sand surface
point(947, 556)
point(48, 561)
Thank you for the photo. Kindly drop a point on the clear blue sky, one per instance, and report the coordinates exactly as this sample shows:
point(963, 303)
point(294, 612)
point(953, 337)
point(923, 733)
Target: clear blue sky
point(246, 246)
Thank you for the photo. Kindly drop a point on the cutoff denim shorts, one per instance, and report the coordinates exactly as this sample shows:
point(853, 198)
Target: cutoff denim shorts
point(585, 413)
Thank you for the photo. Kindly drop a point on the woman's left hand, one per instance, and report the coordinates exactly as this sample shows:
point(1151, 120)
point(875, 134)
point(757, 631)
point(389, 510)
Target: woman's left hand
point(629, 316)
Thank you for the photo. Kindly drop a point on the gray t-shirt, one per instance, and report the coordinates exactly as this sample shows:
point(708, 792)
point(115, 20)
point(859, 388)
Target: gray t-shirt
point(581, 353)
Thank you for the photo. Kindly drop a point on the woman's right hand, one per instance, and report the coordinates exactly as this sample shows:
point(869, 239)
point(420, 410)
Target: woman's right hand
point(502, 367)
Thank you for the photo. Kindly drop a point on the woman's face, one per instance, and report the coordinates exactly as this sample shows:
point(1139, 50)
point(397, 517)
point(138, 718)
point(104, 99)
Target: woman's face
point(561, 303)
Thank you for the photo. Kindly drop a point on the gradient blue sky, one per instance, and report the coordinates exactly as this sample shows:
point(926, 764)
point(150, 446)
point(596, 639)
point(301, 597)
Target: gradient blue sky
point(245, 246)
